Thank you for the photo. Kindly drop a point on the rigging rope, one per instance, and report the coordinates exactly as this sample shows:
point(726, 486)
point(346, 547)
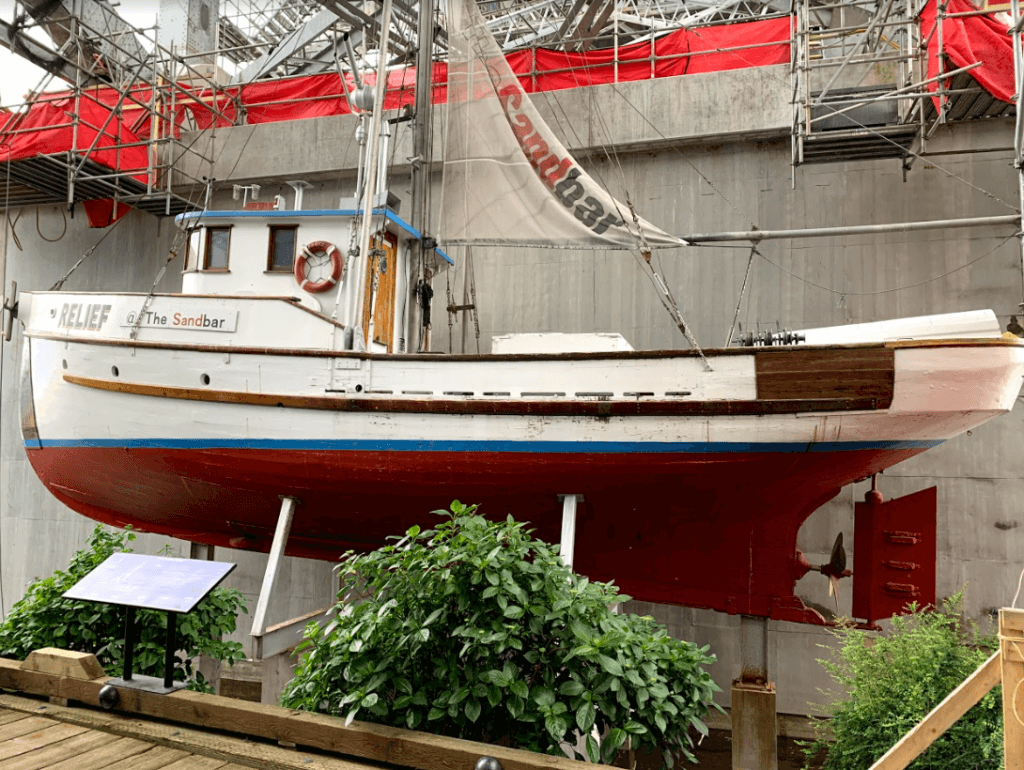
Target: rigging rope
point(894, 289)
point(666, 297)
point(739, 302)
point(7, 211)
point(62, 232)
point(60, 281)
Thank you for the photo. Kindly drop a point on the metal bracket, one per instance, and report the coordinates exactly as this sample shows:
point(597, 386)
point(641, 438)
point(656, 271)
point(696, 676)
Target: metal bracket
point(10, 308)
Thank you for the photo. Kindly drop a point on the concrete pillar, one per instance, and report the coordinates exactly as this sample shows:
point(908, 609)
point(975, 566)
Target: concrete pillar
point(754, 732)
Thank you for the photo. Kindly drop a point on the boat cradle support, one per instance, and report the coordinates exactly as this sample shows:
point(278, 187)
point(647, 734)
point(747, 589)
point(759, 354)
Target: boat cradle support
point(568, 538)
point(269, 641)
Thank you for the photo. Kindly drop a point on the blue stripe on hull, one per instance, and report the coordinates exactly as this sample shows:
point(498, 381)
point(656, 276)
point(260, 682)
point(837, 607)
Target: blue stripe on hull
point(519, 447)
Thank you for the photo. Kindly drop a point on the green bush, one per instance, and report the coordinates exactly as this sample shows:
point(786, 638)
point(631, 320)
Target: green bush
point(476, 630)
point(43, 619)
point(890, 682)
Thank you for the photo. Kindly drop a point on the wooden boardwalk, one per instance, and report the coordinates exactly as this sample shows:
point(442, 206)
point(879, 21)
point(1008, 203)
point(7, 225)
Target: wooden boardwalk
point(51, 720)
point(37, 735)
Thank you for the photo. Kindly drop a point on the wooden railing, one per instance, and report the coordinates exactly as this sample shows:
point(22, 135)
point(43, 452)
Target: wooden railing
point(1006, 667)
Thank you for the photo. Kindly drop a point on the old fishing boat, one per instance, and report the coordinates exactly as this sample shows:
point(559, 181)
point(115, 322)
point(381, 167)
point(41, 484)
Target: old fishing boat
point(282, 369)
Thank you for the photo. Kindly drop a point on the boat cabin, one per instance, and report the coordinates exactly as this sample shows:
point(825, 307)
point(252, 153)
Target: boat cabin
point(305, 255)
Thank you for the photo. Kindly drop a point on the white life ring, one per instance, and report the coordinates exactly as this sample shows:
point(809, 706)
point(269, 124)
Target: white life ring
point(312, 256)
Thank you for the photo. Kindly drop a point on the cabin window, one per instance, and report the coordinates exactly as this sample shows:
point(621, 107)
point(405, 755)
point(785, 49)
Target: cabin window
point(192, 249)
point(282, 248)
point(218, 240)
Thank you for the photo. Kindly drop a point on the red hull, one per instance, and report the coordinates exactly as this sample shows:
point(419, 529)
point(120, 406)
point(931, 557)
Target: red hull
point(707, 530)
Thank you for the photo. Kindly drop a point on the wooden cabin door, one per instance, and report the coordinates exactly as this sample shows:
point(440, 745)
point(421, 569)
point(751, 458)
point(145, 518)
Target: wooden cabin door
point(382, 302)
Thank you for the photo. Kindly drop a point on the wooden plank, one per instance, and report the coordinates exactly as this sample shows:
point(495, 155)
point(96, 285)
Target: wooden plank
point(795, 373)
point(1011, 639)
point(654, 407)
point(369, 741)
point(813, 386)
point(942, 717)
point(197, 763)
point(1012, 620)
point(36, 740)
point(81, 665)
point(114, 750)
point(55, 752)
point(7, 717)
point(185, 740)
point(28, 725)
point(156, 758)
point(797, 359)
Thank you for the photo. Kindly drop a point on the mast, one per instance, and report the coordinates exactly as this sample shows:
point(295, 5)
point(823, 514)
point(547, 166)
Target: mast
point(373, 151)
point(422, 150)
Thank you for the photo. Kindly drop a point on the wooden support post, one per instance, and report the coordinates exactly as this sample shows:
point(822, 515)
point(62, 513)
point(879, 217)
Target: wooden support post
point(568, 541)
point(754, 733)
point(754, 723)
point(284, 528)
point(1011, 647)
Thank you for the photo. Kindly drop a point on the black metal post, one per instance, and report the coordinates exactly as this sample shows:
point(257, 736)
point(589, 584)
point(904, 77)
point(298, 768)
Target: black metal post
point(172, 621)
point(129, 642)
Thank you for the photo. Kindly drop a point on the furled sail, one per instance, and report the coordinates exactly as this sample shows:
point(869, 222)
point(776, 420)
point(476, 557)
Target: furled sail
point(507, 179)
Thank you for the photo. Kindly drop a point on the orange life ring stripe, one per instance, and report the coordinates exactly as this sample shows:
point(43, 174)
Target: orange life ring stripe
point(301, 265)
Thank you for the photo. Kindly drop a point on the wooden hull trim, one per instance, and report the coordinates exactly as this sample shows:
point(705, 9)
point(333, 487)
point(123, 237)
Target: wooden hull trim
point(552, 406)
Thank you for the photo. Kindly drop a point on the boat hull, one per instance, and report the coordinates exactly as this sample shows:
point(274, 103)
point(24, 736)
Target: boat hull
point(665, 526)
point(695, 480)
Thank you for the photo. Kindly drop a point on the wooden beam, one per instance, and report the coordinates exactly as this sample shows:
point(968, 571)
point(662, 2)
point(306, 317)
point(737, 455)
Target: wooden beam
point(378, 743)
point(1011, 643)
point(942, 717)
point(180, 741)
point(80, 665)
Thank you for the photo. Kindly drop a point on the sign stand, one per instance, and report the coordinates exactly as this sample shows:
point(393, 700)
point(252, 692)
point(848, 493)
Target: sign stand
point(136, 582)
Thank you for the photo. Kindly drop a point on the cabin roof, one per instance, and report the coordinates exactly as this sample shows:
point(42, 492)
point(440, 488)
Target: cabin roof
point(291, 214)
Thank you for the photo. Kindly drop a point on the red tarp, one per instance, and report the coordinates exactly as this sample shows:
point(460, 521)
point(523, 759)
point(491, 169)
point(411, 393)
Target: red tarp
point(678, 53)
point(102, 213)
point(687, 51)
point(967, 40)
point(47, 128)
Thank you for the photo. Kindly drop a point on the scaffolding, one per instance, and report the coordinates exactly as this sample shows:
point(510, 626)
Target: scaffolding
point(860, 82)
point(858, 76)
point(116, 134)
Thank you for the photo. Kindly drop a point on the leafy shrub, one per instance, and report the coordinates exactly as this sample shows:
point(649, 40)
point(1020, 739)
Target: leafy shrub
point(476, 630)
point(42, 618)
point(889, 683)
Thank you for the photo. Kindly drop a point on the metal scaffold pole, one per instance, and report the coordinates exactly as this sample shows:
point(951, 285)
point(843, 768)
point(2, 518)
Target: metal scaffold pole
point(1018, 133)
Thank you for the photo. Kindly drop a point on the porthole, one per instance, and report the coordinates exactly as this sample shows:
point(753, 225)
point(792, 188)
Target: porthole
point(205, 379)
point(113, 371)
point(359, 388)
point(64, 363)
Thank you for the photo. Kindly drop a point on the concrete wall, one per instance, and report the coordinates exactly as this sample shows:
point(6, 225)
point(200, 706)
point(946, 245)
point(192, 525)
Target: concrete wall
point(696, 154)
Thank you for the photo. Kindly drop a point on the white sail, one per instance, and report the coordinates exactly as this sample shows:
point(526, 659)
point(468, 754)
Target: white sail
point(507, 179)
